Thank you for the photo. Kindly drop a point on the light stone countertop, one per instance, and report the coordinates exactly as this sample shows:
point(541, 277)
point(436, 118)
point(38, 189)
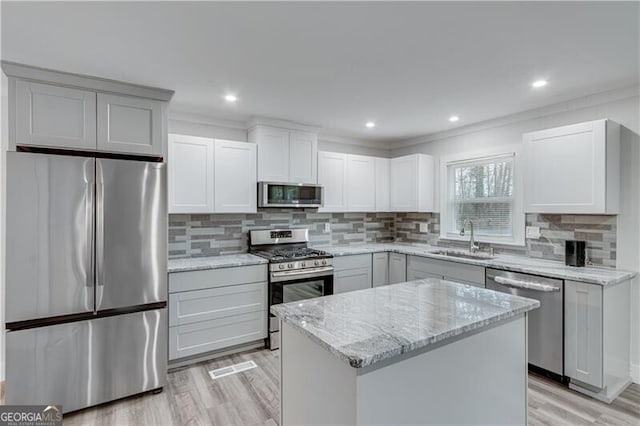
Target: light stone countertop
point(548, 268)
point(368, 326)
point(214, 262)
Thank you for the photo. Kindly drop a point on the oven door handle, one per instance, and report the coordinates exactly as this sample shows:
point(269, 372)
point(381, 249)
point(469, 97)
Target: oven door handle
point(290, 275)
point(529, 285)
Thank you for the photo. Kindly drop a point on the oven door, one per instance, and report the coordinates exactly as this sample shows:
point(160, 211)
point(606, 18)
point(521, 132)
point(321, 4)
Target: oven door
point(293, 286)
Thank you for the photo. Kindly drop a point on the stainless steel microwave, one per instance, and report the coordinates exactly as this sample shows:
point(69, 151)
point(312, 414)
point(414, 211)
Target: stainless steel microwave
point(279, 194)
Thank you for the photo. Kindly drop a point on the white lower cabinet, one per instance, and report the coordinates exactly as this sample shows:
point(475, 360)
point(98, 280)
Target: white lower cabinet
point(421, 267)
point(596, 338)
point(380, 267)
point(215, 309)
point(351, 273)
point(397, 268)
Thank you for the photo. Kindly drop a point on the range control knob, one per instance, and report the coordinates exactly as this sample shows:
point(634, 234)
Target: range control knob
point(290, 265)
point(281, 266)
point(302, 264)
point(324, 262)
point(316, 263)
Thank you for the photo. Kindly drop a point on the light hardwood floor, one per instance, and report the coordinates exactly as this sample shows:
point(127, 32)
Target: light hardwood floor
point(251, 398)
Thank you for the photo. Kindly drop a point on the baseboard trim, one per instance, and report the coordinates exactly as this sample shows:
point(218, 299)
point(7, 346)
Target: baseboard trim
point(635, 373)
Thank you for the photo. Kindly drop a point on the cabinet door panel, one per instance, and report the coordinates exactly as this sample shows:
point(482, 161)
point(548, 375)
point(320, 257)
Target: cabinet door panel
point(361, 178)
point(235, 177)
point(382, 184)
point(53, 116)
point(403, 184)
point(273, 154)
point(583, 332)
point(303, 157)
point(380, 269)
point(397, 268)
point(565, 170)
point(332, 173)
point(130, 125)
point(190, 165)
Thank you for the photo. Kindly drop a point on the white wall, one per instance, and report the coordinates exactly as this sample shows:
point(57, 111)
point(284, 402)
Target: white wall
point(624, 111)
point(4, 134)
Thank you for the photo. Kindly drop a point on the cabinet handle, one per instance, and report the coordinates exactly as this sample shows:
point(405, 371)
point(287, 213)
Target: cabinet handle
point(529, 285)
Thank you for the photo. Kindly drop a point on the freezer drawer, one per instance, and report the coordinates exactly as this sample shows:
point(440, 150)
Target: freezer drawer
point(49, 236)
point(86, 363)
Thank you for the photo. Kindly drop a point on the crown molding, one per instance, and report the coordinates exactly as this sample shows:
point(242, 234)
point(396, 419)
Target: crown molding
point(566, 106)
point(347, 140)
point(284, 124)
point(46, 75)
point(206, 119)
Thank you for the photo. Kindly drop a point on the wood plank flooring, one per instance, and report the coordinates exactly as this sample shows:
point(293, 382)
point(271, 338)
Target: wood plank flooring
point(251, 398)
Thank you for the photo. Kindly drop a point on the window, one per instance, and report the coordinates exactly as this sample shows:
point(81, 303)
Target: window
point(483, 190)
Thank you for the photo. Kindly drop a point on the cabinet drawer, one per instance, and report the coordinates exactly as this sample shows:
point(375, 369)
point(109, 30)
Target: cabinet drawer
point(413, 275)
point(342, 263)
point(211, 278)
point(351, 280)
point(204, 336)
point(200, 305)
point(452, 270)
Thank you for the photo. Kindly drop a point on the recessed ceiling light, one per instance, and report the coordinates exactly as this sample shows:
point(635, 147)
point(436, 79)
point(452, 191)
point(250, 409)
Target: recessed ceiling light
point(230, 98)
point(370, 124)
point(454, 118)
point(538, 84)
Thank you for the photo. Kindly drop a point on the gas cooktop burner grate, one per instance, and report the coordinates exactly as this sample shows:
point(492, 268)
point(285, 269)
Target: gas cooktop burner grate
point(286, 254)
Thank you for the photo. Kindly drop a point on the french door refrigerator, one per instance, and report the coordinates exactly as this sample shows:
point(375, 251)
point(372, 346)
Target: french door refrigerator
point(86, 283)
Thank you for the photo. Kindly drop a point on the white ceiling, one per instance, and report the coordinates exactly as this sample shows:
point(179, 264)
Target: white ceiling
point(407, 66)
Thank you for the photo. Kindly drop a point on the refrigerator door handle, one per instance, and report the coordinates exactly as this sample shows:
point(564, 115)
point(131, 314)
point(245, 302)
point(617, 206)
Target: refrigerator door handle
point(100, 278)
point(89, 195)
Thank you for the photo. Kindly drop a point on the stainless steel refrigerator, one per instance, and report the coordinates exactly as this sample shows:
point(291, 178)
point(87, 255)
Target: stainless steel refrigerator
point(86, 283)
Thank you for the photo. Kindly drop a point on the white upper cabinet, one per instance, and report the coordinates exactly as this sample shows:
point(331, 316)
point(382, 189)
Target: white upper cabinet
point(235, 177)
point(54, 116)
point(285, 155)
point(211, 175)
point(382, 184)
point(573, 169)
point(332, 174)
point(412, 183)
point(54, 109)
point(130, 125)
point(361, 178)
point(273, 153)
point(303, 157)
point(190, 165)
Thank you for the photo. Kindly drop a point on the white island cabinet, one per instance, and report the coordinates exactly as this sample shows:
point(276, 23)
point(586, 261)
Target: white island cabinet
point(386, 356)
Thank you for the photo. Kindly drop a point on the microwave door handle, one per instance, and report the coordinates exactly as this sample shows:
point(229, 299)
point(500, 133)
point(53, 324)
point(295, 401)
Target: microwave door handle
point(528, 285)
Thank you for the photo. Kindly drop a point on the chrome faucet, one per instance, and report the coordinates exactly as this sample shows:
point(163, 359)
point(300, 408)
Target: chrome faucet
point(473, 247)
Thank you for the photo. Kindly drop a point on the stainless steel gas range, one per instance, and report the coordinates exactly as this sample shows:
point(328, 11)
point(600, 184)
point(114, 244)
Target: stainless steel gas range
point(296, 271)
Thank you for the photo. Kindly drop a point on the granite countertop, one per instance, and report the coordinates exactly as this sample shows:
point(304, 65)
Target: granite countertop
point(214, 262)
point(590, 274)
point(368, 326)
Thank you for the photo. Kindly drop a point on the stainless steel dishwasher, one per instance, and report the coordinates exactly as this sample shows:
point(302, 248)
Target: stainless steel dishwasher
point(546, 324)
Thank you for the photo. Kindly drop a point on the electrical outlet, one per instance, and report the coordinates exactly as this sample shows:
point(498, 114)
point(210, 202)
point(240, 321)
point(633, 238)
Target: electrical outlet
point(532, 232)
point(424, 227)
point(327, 227)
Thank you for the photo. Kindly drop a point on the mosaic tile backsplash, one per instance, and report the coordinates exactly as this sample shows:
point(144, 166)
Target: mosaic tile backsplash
point(198, 235)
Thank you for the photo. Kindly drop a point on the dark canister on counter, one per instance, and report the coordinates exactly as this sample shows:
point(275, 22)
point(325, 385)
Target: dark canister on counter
point(574, 252)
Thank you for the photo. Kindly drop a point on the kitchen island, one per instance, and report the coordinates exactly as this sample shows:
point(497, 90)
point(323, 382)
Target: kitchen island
point(423, 352)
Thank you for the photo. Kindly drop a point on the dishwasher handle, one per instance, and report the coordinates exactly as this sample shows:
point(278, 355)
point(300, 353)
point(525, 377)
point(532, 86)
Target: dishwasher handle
point(529, 285)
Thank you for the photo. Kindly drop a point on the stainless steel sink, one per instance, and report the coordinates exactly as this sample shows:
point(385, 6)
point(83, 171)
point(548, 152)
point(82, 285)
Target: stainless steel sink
point(464, 254)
